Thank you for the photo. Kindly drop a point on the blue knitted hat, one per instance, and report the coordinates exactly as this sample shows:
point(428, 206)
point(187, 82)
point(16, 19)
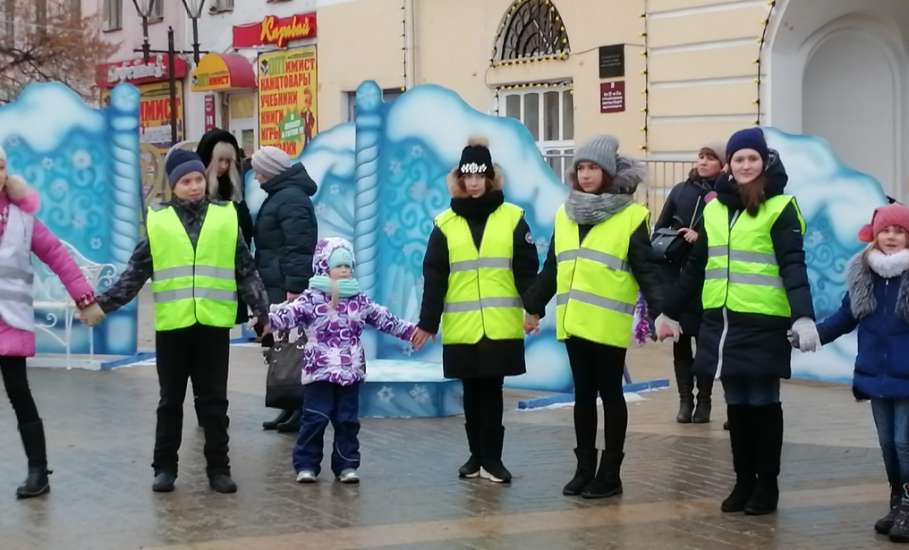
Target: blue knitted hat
point(749, 138)
point(181, 162)
point(340, 256)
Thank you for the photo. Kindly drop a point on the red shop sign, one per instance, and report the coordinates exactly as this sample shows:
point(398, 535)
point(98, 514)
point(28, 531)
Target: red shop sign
point(209, 112)
point(277, 31)
point(612, 97)
point(136, 71)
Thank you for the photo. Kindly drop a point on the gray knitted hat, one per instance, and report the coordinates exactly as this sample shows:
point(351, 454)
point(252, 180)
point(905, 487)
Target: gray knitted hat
point(601, 150)
point(270, 161)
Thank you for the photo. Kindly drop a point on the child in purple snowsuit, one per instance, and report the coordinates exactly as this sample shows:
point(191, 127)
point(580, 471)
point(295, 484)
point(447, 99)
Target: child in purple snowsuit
point(333, 313)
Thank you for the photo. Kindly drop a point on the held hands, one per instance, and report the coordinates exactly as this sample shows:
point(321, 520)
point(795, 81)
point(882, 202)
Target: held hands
point(804, 335)
point(690, 235)
point(667, 327)
point(91, 315)
point(531, 323)
point(420, 337)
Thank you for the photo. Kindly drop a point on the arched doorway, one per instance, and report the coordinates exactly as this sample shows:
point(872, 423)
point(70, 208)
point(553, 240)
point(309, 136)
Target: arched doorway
point(843, 75)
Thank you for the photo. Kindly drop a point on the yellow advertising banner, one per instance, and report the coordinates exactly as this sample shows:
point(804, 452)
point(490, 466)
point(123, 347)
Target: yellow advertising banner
point(154, 112)
point(288, 116)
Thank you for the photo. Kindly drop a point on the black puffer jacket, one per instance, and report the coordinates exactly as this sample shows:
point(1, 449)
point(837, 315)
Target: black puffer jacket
point(286, 233)
point(684, 207)
point(749, 344)
point(486, 357)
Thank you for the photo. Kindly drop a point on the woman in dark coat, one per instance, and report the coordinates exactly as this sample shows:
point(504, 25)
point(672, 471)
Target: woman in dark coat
point(750, 271)
point(476, 199)
point(682, 211)
point(221, 155)
point(286, 235)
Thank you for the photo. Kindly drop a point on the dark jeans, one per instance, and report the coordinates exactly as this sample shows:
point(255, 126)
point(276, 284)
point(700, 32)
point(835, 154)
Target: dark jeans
point(199, 353)
point(483, 401)
point(891, 417)
point(682, 350)
point(597, 371)
point(754, 391)
point(324, 402)
point(20, 395)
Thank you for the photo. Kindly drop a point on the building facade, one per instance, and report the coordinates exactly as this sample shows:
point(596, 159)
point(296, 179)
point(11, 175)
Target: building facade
point(666, 76)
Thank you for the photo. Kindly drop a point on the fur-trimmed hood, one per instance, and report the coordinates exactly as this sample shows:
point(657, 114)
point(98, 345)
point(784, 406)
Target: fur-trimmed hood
point(498, 183)
point(860, 279)
point(629, 174)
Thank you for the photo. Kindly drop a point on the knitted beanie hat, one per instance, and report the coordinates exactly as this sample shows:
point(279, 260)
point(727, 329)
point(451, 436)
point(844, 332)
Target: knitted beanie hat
point(884, 217)
point(601, 150)
point(270, 161)
point(476, 159)
point(340, 256)
point(181, 162)
point(749, 138)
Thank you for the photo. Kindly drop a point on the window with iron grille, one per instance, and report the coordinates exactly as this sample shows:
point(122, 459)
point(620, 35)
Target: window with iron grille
point(532, 28)
point(548, 114)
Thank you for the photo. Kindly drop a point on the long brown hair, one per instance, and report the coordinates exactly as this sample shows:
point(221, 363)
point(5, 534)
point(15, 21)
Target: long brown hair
point(753, 194)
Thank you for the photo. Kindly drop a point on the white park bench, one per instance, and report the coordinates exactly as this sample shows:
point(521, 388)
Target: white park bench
point(53, 304)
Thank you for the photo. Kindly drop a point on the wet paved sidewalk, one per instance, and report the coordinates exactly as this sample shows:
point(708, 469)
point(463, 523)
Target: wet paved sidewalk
point(100, 429)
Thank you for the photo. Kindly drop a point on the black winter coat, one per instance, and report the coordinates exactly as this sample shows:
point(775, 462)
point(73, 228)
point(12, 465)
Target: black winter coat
point(684, 205)
point(644, 268)
point(286, 233)
point(751, 345)
point(486, 357)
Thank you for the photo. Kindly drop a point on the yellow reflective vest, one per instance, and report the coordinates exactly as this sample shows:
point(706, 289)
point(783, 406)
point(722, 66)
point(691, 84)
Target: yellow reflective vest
point(742, 272)
point(194, 285)
point(482, 298)
point(595, 290)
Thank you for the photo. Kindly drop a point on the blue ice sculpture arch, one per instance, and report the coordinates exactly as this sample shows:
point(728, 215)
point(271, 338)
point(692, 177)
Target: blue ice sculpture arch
point(835, 201)
point(84, 162)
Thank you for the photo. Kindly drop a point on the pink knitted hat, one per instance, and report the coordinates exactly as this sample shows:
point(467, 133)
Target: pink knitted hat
point(884, 217)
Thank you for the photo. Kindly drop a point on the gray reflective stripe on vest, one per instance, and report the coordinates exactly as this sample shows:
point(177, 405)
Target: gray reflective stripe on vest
point(594, 300)
point(9, 272)
point(745, 278)
point(464, 307)
point(13, 296)
point(187, 293)
point(753, 257)
point(593, 255)
point(470, 265)
point(715, 251)
point(187, 271)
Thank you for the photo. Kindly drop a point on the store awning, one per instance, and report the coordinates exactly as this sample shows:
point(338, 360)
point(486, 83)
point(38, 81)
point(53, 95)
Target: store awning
point(223, 71)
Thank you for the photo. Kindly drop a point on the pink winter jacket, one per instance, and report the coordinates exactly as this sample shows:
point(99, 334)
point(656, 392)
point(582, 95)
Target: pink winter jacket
point(21, 343)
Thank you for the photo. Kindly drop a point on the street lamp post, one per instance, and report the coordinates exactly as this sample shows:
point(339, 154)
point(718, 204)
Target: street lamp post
point(194, 11)
point(145, 7)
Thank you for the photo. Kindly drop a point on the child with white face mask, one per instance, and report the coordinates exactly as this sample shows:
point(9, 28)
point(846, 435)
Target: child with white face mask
point(877, 303)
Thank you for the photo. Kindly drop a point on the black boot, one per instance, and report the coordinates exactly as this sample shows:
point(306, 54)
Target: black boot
point(273, 424)
point(471, 468)
point(685, 381)
point(742, 440)
point(768, 423)
point(607, 482)
point(884, 524)
point(164, 481)
point(222, 483)
point(702, 411)
point(899, 532)
point(36, 483)
point(292, 424)
point(587, 468)
point(491, 466)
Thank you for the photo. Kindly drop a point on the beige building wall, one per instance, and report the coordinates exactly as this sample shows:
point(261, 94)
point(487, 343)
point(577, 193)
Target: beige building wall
point(702, 72)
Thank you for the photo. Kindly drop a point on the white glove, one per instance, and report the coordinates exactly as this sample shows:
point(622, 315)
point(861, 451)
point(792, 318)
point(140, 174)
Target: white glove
point(667, 327)
point(805, 334)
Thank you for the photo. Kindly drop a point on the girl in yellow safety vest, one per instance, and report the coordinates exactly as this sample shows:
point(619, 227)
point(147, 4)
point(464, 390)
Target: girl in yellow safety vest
point(750, 272)
point(198, 262)
point(598, 260)
point(479, 261)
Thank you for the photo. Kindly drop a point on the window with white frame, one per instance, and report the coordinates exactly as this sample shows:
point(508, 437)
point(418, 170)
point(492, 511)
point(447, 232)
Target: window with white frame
point(548, 114)
point(388, 95)
point(221, 5)
point(112, 15)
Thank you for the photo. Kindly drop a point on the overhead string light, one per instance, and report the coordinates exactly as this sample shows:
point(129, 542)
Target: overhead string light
point(645, 110)
point(404, 44)
point(759, 61)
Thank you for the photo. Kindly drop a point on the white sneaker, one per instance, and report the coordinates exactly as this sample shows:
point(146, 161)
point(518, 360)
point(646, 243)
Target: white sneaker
point(306, 476)
point(349, 475)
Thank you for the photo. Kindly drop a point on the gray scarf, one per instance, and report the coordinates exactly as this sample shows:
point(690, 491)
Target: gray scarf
point(587, 209)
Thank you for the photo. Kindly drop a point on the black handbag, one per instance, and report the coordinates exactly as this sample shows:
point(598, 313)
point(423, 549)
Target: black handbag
point(669, 245)
point(284, 382)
